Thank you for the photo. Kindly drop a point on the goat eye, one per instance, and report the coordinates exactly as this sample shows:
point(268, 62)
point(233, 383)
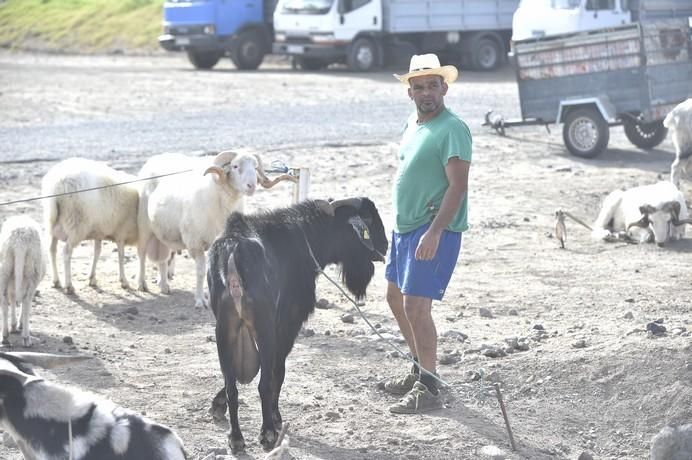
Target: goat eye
point(235, 166)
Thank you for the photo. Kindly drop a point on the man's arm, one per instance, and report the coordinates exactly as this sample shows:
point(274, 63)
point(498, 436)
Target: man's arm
point(457, 172)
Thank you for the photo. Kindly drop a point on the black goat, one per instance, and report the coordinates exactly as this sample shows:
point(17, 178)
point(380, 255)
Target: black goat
point(52, 422)
point(261, 277)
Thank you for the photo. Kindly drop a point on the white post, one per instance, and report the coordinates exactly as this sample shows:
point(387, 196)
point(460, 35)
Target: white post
point(302, 187)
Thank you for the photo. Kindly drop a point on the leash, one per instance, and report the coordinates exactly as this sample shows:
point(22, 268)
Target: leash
point(69, 439)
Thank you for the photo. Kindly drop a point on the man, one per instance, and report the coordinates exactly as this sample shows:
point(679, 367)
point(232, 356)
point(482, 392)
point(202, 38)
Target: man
point(430, 205)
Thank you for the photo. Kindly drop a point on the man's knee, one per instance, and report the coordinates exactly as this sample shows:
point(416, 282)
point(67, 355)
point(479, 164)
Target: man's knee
point(417, 308)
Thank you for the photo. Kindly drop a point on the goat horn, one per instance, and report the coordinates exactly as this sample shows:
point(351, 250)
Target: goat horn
point(269, 183)
point(47, 360)
point(643, 222)
point(223, 158)
point(325, 207)
point(354, 202)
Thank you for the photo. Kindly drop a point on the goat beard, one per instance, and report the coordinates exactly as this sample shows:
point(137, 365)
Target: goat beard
point(356, 276)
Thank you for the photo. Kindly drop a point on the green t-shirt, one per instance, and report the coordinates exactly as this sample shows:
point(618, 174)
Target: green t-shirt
point(421, 181)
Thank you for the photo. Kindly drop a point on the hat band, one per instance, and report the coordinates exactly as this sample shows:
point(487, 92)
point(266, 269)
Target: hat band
point(421, 68)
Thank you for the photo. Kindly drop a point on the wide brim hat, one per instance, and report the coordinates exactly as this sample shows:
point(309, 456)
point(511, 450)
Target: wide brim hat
point(428, 64)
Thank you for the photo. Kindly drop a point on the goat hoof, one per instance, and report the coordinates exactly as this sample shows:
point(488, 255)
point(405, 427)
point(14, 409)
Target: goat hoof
point(125, 285)
point(5, 340)
point(26, 341)
point(69, 290)
point(237, 445)
point(268, 439)
point(57, 285)
point(143, 287)
point(92, 282)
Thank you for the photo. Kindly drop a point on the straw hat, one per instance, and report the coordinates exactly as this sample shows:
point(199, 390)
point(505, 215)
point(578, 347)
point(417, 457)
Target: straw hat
point(428, 64)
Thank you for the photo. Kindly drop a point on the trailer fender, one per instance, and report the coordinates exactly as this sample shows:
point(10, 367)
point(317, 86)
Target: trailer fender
point(602, 104)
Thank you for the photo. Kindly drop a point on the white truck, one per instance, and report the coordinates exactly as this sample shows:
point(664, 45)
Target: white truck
point(366, 34)
point(541, 18)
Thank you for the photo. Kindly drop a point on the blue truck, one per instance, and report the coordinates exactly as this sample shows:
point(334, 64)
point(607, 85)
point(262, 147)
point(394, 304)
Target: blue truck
point(208, 30)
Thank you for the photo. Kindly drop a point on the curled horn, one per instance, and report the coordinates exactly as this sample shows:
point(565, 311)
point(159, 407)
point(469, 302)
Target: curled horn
point(644, 221)
point(266, 182)
point(325, 207)
point(47, 360)
point(220, 160)
point(354, 202)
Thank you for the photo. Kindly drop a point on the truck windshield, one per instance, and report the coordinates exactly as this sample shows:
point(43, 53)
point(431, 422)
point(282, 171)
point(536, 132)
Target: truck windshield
point(307, 6)
point(554, 4)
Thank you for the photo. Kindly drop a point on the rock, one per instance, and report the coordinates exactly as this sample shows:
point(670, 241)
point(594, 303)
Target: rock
point(629, 300)
point(485, 312)
point(585, 456)
point(581, 343)
point(331, 416)
point(457, 335)
point(8, 441)
point(672, 443)
point(493, 452)
point(628, 315)
point(493, 352)
point(68, 340)
point(513, 312)
point(307, 332)
point(655, 328)
point(132, 311)
point(322, 304)
point(538, 327)
point(347, 318)
point(450, 358)
point(522, 345)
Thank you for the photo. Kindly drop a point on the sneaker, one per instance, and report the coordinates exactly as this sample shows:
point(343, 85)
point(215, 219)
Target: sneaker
point(398, 385)
point(416, 401)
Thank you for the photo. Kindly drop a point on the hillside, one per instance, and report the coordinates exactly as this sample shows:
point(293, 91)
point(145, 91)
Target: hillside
point(81, 26)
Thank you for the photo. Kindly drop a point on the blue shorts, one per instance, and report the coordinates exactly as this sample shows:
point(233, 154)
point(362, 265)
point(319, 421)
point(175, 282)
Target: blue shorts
point(422, 278)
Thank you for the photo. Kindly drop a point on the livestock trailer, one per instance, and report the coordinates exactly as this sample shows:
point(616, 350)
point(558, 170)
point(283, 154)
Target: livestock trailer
point(631, 75)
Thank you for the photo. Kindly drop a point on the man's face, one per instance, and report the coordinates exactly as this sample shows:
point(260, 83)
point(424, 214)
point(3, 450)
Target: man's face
point(427, 92)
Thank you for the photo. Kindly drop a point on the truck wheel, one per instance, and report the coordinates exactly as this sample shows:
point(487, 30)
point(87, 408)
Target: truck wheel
point(645, 136)
point(203, 59)
point(585, 132)
point(486, 54)
point(248, 52)
point(362, 56)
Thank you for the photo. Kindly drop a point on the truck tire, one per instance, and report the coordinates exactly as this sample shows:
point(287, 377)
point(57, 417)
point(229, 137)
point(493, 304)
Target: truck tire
point(585, 132)
point(203, 60)
point(645, 136)
point(486, 54)
point(362, 57)
point(248, 51)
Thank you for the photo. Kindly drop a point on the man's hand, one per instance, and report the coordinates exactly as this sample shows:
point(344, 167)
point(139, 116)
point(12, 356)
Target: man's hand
point(427, 246)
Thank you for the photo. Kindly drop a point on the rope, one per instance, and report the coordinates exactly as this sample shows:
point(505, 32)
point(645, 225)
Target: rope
point(69, 440)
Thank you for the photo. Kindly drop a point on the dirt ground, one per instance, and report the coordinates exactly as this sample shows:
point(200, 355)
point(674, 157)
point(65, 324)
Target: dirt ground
point(589, 378)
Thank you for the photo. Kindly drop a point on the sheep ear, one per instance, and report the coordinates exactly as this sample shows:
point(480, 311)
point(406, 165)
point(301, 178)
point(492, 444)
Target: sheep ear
point(362, 231)
point(47, 360)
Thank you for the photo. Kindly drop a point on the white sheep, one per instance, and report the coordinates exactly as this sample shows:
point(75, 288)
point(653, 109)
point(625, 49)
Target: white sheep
point(189, 211)
point(23, 266)
point(54, 422)
point(672, 443)
point(679, 122)
point(103, 214)
point(640, 212)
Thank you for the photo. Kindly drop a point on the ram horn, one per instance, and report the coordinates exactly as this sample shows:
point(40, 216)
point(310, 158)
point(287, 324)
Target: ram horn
point(325, 207)
point(218, 170)
point(224, 158)
point(47, 360)
point(643, 222)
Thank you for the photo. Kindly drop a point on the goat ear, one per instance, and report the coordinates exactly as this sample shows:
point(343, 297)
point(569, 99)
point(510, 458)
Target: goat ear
point(47, 360)
point(325, 207)
point(362, 231)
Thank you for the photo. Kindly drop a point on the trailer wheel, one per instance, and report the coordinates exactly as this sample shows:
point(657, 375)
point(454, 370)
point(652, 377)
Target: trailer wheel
point(248, 52)
point(203, 60)
point(585, 132)
point(645, 136)
point(486, 54)
point(362, 57)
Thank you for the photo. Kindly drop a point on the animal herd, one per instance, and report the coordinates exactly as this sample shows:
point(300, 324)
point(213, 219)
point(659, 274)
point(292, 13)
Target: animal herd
point(260, 270)
point(261, 274)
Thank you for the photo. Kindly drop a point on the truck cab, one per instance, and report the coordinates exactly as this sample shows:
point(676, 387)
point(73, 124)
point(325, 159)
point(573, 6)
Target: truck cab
point(207, 30)
point(539, 18)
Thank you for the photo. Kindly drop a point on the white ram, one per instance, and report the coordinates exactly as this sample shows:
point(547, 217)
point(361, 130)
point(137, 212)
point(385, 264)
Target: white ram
point(53, 422)
point(23, 266)
point(657, 210)
point(108, 213)
point(189, 211)
point(679, 123)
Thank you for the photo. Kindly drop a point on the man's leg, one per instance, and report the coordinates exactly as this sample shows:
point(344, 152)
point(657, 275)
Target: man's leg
point(395, 299)
point(418, 312)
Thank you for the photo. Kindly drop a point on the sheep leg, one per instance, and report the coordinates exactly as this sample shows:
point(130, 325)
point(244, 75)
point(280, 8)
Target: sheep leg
point(53, 262)
point(163, 277)
point(97, 254)
point(171, 266)
point(142, 276)
point(27, 303)
point(121, 265)
point(201, 265)
point(224, 343)
point(675, 170)
point(19, 261)
point(67, 255)
point(5, 304)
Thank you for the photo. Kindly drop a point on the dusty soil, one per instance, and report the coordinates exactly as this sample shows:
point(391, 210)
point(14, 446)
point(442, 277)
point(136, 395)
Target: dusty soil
point(592, 379)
